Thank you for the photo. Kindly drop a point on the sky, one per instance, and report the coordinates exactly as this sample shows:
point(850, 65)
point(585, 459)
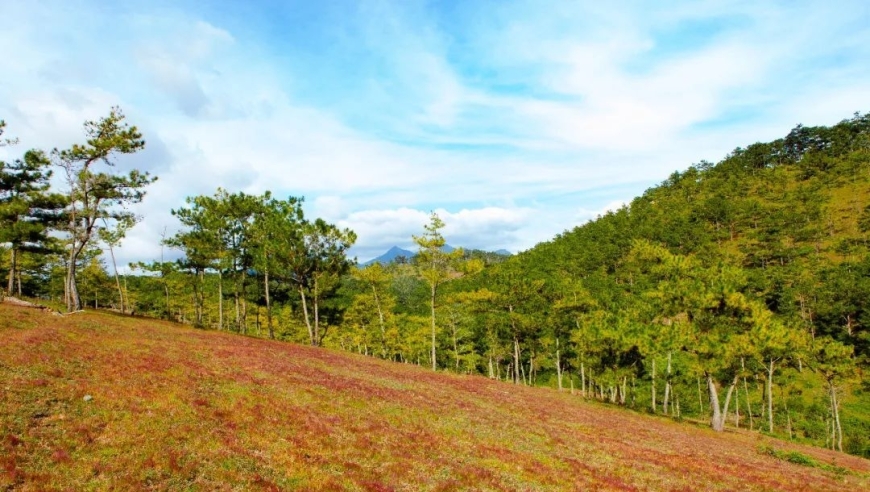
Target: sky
point(513, 120)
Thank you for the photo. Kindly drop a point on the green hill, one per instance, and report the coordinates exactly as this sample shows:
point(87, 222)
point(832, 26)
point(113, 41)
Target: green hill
point(96, 401)
point(755, 268)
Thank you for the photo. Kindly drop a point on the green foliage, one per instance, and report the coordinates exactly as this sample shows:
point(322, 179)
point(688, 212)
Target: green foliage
point(28, 210)
point(95, 196)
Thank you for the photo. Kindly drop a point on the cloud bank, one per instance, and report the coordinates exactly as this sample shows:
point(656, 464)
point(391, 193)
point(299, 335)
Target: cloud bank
point(511, 121)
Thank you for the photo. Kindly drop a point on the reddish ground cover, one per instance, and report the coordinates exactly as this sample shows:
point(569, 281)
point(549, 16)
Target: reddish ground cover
point(97, 401)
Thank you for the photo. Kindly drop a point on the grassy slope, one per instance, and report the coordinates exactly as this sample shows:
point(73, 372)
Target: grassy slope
point(177, 408)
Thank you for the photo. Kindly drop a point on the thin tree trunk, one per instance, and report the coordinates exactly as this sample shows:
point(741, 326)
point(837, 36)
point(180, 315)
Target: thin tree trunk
point(381, 321)
point(163, 274)
point(516, 361)
point(198, 293)
point(315, 298)
point(13, 264)
point(770, 397)
point(220, 300)
point(667, 386)
point(583, 380)
point(305, 314)
point(117, 278)
point(746, 393)
point(832, 436)
point(737, 407)
point(835, 404)
point(653, 386)
point(531, 368)
point(268, 304)
point(244, 303)
point(558, 366)
point(125, 294)
point(455, 342)
point(622, 394)
point(432, 306)
point(237, 304)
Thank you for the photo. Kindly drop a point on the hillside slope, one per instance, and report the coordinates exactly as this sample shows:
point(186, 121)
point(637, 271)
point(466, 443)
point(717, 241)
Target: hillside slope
point(98, 401)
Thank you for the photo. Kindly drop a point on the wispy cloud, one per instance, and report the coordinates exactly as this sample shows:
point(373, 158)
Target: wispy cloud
point(513, 121)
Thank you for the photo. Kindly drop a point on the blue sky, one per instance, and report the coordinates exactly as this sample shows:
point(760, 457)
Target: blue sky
point(513, 120)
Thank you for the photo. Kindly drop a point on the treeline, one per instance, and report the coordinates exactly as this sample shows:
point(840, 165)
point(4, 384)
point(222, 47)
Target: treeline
point(734, 292)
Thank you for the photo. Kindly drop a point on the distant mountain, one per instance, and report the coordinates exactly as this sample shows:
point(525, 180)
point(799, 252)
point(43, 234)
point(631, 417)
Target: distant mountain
point(395, 252)
point(390, 256)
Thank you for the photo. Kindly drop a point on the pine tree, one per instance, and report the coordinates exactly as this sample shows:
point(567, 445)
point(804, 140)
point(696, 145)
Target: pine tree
point(28, 211)
point(95, 196)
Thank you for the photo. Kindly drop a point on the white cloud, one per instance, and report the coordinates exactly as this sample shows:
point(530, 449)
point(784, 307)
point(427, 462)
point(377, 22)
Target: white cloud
point(525, 124)
point(488, 228)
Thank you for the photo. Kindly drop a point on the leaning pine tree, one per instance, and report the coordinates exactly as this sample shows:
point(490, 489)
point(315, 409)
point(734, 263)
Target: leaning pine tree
point(97, 196)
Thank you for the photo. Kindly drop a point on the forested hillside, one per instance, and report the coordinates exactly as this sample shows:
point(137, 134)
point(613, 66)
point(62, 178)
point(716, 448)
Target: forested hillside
point(735, 293)
point(752, 274)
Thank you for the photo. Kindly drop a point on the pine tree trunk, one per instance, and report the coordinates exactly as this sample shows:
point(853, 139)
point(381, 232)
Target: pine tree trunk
point(622, 394)
point(737, 408)
point(237, 304)
point(117, 278)
point(653, 387)
point(531, 368)
point(243, 300)
point(71, 294)
point(667, 386)
point(305, 314)
point(268, 304)
point(13, 264)
point(381, 321)
point(314, 299)
point(198, 295)
point(455, 342)
point(516, 361)
point(719, 416)
point(770, 397)
point(220, 300)
point(716, 420)
point(558, 367)
point(432, 306)
point(746, 393)
point(838, 429)
point(582, 380)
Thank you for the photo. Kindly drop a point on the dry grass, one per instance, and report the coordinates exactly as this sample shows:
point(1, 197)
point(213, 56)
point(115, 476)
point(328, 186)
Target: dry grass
point(174, 408)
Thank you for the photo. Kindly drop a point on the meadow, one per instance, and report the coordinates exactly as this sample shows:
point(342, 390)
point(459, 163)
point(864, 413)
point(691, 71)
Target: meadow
point(100, 401)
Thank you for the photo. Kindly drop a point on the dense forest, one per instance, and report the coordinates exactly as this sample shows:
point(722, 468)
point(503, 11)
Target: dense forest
point(737, 293)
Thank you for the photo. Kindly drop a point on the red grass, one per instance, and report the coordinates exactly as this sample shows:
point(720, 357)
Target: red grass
point(177, 408)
